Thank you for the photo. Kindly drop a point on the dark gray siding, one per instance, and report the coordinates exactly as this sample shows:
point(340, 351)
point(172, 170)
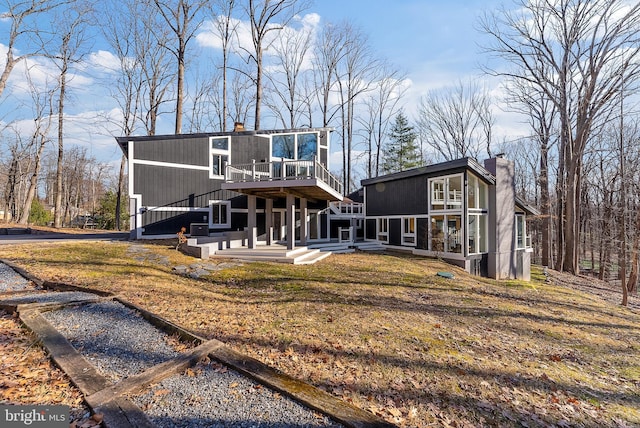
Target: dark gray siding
point(163, 186)
point(401, 197)
point(244, 149)
point(190, 151)
point(158, 223)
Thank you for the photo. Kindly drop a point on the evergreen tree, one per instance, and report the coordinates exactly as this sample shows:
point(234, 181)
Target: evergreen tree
point(402, 151)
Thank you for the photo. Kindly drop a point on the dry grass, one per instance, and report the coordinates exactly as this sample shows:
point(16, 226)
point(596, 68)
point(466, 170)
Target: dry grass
point(385, 333)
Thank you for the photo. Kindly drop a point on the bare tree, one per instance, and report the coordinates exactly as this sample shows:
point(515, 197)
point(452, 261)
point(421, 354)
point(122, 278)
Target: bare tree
point(456, 121)
point(226, 27)
point(290, 53)
point(122, 30)
point(70, 51)
point(328, 52)
point(23, 17)
point(355, 73)
point(156, 68)
point(542, 117)
point(381, 105)
point(262, 19)
point(588, 48)
point(183, 18)
point(43, 106)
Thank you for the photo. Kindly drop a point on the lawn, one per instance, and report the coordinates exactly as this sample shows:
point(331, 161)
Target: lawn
point(385, 333)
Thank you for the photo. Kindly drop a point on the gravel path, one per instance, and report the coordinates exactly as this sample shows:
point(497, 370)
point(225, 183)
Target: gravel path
point(12, 281)
point(213, 396)
point(50, 296)
point(114, 338)
point(120, 343)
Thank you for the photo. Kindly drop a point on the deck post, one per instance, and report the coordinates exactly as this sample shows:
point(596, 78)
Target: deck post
point(304, 226)
point(268, 219)
point(291, 221)
point(251, 221)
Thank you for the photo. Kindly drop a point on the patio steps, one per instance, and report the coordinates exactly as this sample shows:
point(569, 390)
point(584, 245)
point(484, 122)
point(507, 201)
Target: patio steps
point(275, 253)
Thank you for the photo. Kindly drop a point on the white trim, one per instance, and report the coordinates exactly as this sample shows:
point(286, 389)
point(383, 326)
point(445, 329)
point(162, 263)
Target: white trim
point(178, 209)
point(136, 224)
point(219, 225)
point(440, 254)
point(170, 165)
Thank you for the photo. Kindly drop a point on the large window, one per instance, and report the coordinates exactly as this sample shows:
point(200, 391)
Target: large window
point(307, 146)
point(383, 230)
point(477, 228)
point(294, 146)
point(446, 233)
point(476, 193)
point(219, 157)
point(220, 214)
point(283, 146)
point(409, 231)
point(446, 193)
point(437, 233)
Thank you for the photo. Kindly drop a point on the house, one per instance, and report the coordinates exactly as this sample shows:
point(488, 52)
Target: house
point(247, 184)
point(460, 211)
point(250, 188)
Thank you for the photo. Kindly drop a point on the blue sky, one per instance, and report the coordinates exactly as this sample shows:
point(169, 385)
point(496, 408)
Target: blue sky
point(434, 42)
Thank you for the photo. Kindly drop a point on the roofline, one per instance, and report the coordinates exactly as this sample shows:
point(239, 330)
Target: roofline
point(467, 163)
point(124, 141)
point(528, 209)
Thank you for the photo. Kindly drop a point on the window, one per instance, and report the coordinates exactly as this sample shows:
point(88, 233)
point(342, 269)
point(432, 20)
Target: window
point(219, 157)
point(408, 231)
point(383, 230)
point(437, 233)
point(477, 228)
point(520, 231)
point(283, 146)
point(220, 214)
point(446, 193)
point(476, 193)
point(446, 233)
point(454, 234)
point(307, 146)
point(454, 193)
point(437, 194)
point(294, 146)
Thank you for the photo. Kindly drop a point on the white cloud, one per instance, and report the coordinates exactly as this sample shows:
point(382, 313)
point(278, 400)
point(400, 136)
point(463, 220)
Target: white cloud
point(103, 60)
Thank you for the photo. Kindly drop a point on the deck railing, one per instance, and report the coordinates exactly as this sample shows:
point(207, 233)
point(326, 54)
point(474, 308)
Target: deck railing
point(354, 209)
point(281, 170)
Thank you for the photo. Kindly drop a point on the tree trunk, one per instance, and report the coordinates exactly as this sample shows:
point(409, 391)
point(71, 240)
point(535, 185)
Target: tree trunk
point(33, 185)
point(545, 206)
point(180, 94)
point(123, 162)
point(258, 99)
point(57, 219)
